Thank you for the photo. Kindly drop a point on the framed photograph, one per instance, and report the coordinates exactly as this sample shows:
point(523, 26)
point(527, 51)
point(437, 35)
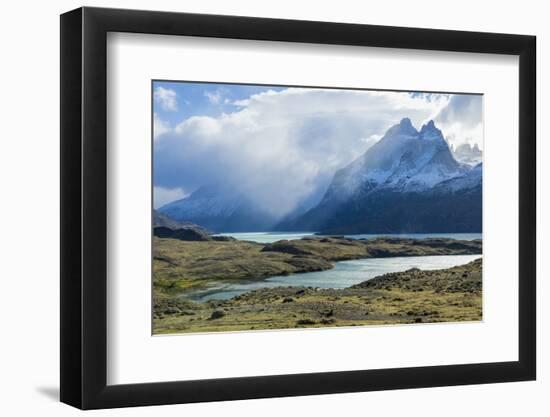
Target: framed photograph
point(257, 208)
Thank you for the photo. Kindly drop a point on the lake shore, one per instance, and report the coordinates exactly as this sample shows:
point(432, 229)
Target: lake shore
point(180, 266)
point(183, 267)
point(413, 296)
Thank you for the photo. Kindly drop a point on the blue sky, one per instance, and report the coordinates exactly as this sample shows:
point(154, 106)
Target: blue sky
point(204, 99)
point(282, 145)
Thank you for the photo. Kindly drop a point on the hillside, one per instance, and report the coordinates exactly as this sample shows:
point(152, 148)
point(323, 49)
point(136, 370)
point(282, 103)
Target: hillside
point(408, 182)
point(413, 296)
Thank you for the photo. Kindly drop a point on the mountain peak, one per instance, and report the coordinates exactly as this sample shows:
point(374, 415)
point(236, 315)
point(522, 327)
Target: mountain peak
point(468, 154)
point(430, 126)
point(405, 169)
point(219, 208)
point(431, 132)
point(403, 128)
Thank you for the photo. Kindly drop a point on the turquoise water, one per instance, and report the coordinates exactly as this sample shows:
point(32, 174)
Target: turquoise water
point(270, 237)
point(344, 274)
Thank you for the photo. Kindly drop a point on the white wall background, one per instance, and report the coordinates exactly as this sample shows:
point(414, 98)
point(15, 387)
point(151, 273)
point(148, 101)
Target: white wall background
point(29, 237)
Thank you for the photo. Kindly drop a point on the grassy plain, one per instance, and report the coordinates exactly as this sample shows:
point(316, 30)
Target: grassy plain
point(412, 296)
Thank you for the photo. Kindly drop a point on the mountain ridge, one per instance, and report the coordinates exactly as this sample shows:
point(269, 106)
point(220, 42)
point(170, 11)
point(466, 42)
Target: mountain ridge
point(219, 209)
point(408, 182)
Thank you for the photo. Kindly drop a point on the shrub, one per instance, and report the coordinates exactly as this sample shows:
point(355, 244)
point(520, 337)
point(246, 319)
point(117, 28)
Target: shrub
point(217, 314)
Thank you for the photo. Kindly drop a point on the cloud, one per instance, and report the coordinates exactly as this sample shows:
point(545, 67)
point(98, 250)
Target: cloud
point(281, 148)
point(461, 121)
point(371, 140)
point(160, 127)
point(214, 97)
point(162, 196)
point(166, 97)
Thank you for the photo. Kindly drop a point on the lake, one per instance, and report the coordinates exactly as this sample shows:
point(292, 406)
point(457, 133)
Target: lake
point(344, 274)
point(270, 237)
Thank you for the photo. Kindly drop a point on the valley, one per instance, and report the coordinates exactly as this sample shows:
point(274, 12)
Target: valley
point(359, 259)
point(412, 296)
point(182, 269)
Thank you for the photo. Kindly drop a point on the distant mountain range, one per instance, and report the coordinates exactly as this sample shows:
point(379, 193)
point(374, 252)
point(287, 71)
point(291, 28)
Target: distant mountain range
point(162, 220)
point(408, 182)
point(220, 209)
point(166, 227)
point(467, 154)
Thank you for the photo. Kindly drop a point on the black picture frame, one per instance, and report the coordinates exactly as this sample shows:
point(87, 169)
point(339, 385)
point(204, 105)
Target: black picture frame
point(84, 207)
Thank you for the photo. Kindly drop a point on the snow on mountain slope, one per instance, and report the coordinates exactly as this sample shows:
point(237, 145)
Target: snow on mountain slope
point(468, 154)
point(471, 180)
point(407, 182)
point(404, 159)
point(220, 209)
point(206, 201)
point(403, 182)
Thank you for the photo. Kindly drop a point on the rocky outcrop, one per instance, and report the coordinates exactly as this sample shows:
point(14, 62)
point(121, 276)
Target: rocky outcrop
point(192, 234)
point(341, 248)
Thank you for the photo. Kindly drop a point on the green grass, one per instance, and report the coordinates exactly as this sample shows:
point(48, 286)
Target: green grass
point(180, 266)
point(414, 296)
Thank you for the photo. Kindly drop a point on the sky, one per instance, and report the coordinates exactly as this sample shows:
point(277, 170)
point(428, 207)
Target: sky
point(280, 146)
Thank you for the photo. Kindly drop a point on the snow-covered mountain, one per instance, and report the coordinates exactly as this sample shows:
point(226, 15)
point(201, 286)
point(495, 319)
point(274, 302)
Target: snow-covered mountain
point(220, 209)
point(469, 182)
point(404, 159)
point(409, 181)
point(468, 154)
